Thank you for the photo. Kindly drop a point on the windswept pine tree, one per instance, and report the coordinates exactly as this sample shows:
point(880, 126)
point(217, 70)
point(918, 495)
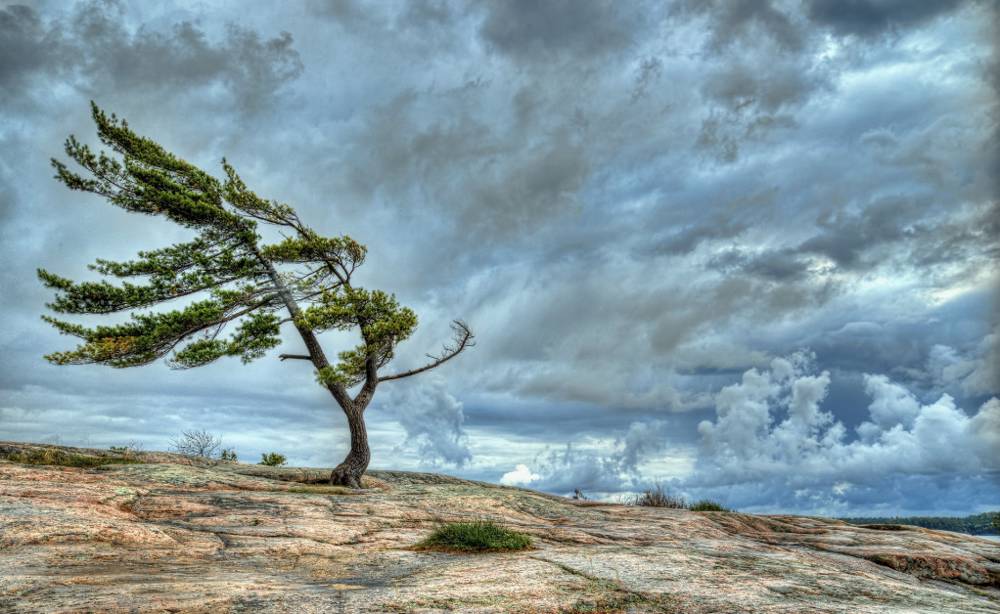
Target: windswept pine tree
point(230, 279)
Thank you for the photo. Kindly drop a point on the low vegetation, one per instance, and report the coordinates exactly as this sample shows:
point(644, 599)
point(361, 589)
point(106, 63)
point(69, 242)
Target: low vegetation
point(61, 458)
point(129, 450)
point(197, 444)
point(658, 497)
point(229, 456)
point(272, 459)
point(707, 505)
point(477, 536)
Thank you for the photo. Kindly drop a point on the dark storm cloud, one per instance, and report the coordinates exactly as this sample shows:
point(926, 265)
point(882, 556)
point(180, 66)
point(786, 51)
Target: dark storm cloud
point(762, 65)
point(530, 30)
point(871, 18)
point(23, 48)
point(632, 204)
point(744, 21)
point(92, 49)
point(487, 179)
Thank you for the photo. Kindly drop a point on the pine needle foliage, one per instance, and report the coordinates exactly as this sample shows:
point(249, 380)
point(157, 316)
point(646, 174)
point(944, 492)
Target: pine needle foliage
point(239, 289)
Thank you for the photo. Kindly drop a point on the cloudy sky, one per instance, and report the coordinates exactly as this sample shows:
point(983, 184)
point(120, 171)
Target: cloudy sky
point(745, 249)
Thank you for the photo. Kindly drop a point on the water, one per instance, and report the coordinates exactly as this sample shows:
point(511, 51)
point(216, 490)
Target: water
point(995, 538)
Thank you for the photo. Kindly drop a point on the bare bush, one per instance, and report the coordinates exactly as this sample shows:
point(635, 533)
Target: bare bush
point(657, 497)
point(129, 450)
point(197, 444)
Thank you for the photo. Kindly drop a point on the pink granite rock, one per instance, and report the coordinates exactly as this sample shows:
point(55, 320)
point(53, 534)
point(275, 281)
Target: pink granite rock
point(171, 535)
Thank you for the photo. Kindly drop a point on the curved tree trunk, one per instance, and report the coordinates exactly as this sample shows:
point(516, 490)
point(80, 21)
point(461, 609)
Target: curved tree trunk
point(348, 473)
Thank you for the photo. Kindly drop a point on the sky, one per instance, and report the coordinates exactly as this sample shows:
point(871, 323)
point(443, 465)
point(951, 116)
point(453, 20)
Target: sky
point(745, 249)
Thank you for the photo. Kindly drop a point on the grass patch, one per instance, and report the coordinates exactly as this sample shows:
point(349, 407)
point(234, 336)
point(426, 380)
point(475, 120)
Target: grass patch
point(478, 536)
point(706, 505)
point(61, 458)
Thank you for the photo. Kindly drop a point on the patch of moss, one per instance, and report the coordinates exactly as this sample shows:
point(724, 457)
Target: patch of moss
point(62, 458)
point(477, 536)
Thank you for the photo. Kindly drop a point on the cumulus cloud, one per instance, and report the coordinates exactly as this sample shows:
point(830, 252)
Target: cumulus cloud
point(975, 373)
point(597, 466)
point(772, 446)
point(432, 419)
point(520, 476)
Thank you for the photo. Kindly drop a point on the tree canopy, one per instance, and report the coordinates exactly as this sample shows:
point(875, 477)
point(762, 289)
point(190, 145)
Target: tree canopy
point(242, 290)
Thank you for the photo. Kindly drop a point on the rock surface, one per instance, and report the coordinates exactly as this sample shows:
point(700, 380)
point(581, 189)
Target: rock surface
point(166, 534)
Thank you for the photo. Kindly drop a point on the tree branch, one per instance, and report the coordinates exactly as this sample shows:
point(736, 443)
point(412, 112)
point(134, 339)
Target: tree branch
point(463, 339)
point(295, 356)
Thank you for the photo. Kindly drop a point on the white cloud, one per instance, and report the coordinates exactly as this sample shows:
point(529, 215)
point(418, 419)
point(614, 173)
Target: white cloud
point(521, 475)
point(770, 439)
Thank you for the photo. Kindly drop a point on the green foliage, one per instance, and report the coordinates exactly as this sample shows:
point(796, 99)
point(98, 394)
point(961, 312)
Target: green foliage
point(225, 261)
point(272, 459)
point(478, 536)
point(150, 336)
point(228, 455)
point(705, 505)
point(343, 250)
point(977, 524)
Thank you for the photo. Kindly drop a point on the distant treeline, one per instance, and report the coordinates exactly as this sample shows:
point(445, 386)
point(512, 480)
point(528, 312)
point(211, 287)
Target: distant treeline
point(979, 524)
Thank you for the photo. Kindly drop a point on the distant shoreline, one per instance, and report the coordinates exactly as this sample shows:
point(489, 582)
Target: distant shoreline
point(980, 525)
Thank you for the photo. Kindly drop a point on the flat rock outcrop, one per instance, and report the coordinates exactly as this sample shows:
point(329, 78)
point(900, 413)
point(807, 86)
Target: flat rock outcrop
point(158, 533)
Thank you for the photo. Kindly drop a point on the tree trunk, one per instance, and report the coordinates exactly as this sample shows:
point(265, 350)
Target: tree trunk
point(349, 472)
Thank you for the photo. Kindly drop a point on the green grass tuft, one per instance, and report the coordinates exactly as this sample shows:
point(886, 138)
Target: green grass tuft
point(706, 505)
point(478, 536)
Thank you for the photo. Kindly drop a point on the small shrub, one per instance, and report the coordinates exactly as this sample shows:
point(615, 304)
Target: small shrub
point(196, 444)
point(657, 497)
point(129, 450)
point(706, 505)
point(478, 536)
point(272, 459)
point(228, 456)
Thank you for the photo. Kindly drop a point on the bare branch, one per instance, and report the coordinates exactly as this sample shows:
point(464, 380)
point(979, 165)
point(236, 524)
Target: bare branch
point(295, 356)
point(196, 444)
point(463, 339)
